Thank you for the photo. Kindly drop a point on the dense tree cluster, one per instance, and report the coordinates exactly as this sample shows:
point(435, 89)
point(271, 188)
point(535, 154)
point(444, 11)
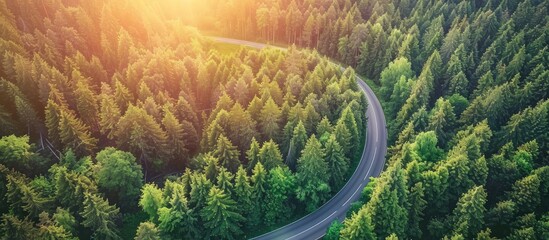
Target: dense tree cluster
point(464, 88)
point(101, 99)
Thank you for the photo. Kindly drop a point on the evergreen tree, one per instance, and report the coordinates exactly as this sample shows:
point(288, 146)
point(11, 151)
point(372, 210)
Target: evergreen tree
point(348, 118)
point(281, 182)
point(269, 120)
point(75, 134)
point(147, 231)
point(139, 133)
point(119, 175)
point(359, 226)
point(220, 216)
point(389, 202)
point(259, 184)
point(312, 175)
point(526, 193)
point(468, 216)
point(343, 137)
point(109, 114)
point(49, 230)
point(227, 153)
point(270, 156)
point(151, 200)
point(175, 133)
point(252, 154)
point(178, 220)
point(337, 162)
point(13, 227)
point(243, 192)
point(100, 216)
point(416, 209)
point(224, 180)
point(299, 138)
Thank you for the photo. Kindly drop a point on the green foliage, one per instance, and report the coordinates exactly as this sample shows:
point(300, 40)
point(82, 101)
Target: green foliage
point(359, 226)
point(227, 153)
point(297, 143)
point(425, 146)
point(147, 231)
point(270, 156)
point(312, 175)
point(18, 153)
point(119, 175)
point(333, 231)
point(468, 216)
point(99, 216)
point(337, 162)
point(281, 184)
point(220, 216)
point(151, 200)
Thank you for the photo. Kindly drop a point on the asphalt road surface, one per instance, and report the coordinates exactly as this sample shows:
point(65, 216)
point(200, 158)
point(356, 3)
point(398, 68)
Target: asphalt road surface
point(315, 224)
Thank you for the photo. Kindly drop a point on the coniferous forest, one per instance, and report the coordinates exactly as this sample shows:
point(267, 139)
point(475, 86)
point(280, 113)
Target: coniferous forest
point(123, 119)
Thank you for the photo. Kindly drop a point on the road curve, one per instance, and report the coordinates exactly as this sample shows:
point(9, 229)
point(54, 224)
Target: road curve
point(314, 225)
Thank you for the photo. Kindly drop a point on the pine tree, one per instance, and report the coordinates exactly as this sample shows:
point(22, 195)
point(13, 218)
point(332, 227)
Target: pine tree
point(175, 133)
point(270, 156)
point(297, 142)
point(348, 118)
point(312, 175)
point(281, 183)
point(71, 188)
point(100, 216)
point(242, 128)
point(243, 192)
point(200, 187)
point(343, 137)
point(526, 193)
point(415, 212)
point(227, 154)
point(324, 127)
point(48, 229)
point(220, 216)
point(389, 202)
point(224, 180)
point(147, 231)
point(259, 184)
point(86, 102)
point(178, 220)
point(13, 227)
point(119, 176)
point(252, 154)
point(139, 133)
point(109, 114)
point(151, 200)
point(269, 120)
point(468, 216)
point(337, 162)
point(75, 134)
point(26, 114)
point(359, 226)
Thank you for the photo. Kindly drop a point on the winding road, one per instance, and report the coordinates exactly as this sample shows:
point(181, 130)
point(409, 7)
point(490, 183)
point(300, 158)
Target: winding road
point(314, 225)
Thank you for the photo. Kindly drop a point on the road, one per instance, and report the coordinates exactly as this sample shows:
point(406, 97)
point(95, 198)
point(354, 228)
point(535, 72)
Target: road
point(314, 225)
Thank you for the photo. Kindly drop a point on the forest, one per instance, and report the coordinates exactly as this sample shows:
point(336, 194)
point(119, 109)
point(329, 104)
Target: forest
point(122, 120)
point(106, 122)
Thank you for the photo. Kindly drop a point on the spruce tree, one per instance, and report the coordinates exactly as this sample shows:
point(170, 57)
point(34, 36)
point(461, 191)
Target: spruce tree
point(99, 216)
point(227, 154)
point(468, 216)
point(312, 175)
point(220, 215)
point(337, 163)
